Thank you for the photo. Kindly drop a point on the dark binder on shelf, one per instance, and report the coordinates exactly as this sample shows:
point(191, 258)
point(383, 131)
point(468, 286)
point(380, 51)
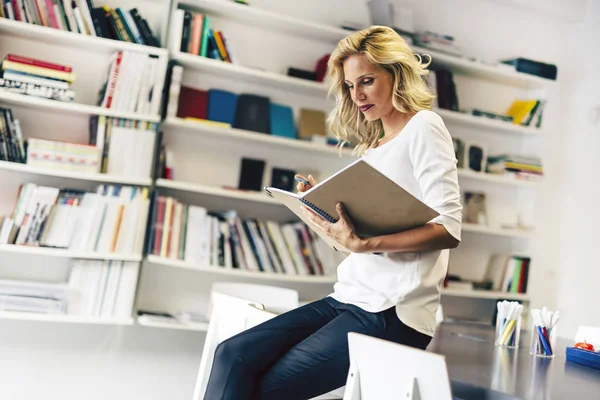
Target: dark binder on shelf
point(222, 106)
point(253, 113)
point(375, 204)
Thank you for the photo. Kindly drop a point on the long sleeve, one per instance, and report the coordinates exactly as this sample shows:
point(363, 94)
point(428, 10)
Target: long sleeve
point(434, 166)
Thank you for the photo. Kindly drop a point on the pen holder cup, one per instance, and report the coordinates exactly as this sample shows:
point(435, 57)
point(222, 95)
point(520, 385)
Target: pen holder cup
point(508, 333)
point(543, 341)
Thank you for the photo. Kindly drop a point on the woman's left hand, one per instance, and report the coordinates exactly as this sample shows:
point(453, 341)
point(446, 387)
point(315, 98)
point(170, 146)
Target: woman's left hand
point(341, 231)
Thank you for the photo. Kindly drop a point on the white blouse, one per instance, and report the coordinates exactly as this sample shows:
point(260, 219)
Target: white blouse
point(420, 159)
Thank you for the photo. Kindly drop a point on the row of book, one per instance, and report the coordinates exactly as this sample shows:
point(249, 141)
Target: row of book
point(125, 147)
point(527, 112)
point(12, 146)
point(34, 297)
point(80, 16)
point(508, 272)
point(25, 75)
point(246, 111)
point(111, 220)
point(101, 288)
point(520, 167)
point(130, 85)
point(222, 239)
point(193, 35)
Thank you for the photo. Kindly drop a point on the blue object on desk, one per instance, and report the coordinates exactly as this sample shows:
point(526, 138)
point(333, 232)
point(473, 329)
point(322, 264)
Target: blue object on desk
point(585, 357)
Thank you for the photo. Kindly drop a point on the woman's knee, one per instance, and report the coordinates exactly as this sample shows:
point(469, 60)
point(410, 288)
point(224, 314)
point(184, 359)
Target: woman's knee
point(228, 350)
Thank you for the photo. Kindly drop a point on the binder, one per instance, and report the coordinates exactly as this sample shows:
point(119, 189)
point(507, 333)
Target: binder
point(375, 204)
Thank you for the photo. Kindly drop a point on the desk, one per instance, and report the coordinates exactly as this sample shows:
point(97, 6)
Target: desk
point(472, 359)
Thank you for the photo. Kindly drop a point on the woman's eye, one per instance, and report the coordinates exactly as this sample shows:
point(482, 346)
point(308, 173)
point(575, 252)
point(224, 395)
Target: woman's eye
point(349, 87)
point(368, 81)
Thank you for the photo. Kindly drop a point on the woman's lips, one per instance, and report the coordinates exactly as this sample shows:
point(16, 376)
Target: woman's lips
point(365, 107)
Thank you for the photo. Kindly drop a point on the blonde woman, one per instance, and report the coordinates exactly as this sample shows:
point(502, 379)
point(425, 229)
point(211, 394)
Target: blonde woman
point(382, 101)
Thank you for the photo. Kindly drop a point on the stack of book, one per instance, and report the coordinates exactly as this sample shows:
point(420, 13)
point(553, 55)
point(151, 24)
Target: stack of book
point(80, 16)
point(528, 112)
point(520, 167)
point(103, 289)
point(62, 155)
point(193, 35)
point(39, 78)
point(130, 85)
point(112, 220)
point(11, 138)
point(33, 297)
point(125, 147)
point(222, 239)
point(438, 41)
point(441, 84)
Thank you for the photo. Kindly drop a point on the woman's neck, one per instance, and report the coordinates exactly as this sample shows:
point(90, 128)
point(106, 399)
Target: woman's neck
point(395, 121)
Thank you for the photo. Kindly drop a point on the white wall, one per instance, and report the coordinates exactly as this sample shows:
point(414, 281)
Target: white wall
point(578, 266)
point(71, 362)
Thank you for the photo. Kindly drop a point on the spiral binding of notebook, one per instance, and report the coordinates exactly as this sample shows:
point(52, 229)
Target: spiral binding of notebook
point(319, 211)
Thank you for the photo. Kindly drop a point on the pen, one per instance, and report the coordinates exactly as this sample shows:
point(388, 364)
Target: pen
point(297, 178)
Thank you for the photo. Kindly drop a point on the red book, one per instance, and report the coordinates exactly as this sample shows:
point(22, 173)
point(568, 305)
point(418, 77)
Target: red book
point(38, 63)
point(192, 103)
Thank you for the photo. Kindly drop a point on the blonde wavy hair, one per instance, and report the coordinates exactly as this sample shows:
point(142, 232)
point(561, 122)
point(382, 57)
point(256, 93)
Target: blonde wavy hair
point(384, 47)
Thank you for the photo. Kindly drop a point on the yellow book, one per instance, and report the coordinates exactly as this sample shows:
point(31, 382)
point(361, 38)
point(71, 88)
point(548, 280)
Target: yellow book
point(520, 109)
point(44, 72)
point(208, 122)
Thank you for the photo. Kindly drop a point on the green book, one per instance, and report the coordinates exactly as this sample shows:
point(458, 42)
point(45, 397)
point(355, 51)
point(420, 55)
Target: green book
point(205, 36)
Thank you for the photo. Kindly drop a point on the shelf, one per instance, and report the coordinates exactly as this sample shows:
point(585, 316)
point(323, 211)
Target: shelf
point(199, 128)
point(216, 191)
point(83, 176)
point(72, 319)
point(168, 262)
point(69, 107)
point(71, 39)
point(268, 19)
point(193, 326)
point(484, 294)
point(497, 231)
point(251, 75)
point(500, 73)
point(311, 30)
point(485, 124)
point(64, 253)
point(494, 178)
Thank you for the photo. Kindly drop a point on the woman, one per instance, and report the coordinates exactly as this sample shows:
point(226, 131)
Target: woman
point(382, 100)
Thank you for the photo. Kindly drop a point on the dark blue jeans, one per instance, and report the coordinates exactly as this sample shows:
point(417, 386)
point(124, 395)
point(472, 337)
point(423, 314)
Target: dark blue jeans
point(300, 354)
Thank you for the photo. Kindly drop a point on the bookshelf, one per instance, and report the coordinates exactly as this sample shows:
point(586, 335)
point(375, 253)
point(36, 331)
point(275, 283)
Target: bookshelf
point(235, 71)
point(70, 319)
point(195, 128)
point(485, 294)
point(488, 125)
point(192, 326)
point(25, 169)
point(496, 179)
point(497, 231)
point(253, 276)
point(71, 39)
point(37, 103)
point(63, 253)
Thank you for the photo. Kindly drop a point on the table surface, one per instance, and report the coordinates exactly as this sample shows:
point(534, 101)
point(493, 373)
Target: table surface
point(473, 359)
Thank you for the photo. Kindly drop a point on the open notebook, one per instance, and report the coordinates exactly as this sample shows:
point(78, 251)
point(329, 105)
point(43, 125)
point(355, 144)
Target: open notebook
point(375, 203)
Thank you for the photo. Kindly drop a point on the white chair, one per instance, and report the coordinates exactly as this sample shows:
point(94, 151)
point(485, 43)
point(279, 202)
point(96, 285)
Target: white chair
point(231, 315)
point(273, 298)
point(380, 369)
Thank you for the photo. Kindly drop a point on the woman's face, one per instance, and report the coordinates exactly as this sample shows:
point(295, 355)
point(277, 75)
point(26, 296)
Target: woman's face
point(370, 87)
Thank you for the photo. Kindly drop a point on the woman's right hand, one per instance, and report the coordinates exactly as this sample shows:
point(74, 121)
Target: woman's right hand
point(303, 187)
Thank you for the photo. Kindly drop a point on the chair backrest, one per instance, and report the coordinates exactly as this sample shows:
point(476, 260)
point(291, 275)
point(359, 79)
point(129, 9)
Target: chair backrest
point(380, 369)
point(230, 316)
point(273, 298)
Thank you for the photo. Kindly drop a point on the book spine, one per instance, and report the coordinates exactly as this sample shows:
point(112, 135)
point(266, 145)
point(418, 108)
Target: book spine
point(38, 63)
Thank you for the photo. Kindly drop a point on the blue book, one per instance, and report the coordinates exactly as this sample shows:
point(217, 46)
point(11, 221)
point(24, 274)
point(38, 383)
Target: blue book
point(222, 106)
point(282, 121)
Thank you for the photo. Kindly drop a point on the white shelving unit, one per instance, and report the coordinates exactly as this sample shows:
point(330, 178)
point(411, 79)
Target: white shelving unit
point(73, 175)
point(487, 125)
point(71, 319)
point(72, 108)
point(235, 71)
point(64, 253)
point(198, 128)
point(255, 276)
point(192, 326)
point(70, 39)
point(496, 179)
point(497, 231)
point(484, 294)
